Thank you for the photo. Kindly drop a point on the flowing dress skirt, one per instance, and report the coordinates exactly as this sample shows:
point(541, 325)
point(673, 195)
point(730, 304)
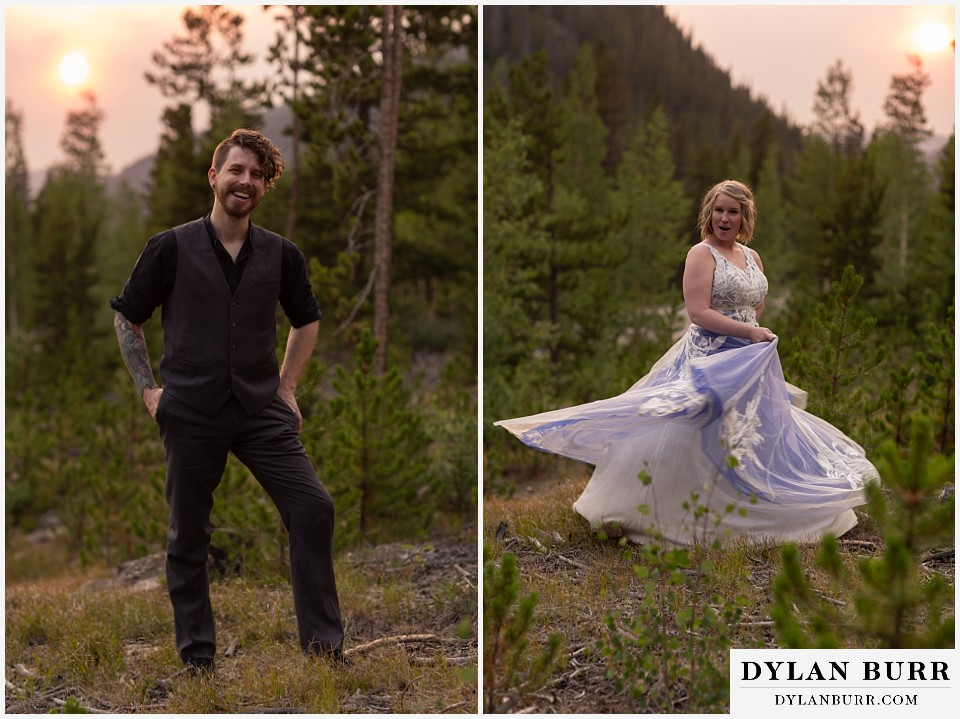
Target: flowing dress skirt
point(706, 447)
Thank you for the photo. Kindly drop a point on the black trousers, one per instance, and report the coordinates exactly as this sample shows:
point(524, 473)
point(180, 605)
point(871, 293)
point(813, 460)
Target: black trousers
point(268, 444)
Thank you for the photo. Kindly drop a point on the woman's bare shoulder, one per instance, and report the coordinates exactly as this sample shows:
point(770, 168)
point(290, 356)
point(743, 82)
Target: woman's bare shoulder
point(700, 253)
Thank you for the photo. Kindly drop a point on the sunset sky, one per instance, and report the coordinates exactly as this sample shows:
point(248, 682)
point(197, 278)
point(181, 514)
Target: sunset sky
point(780, 52)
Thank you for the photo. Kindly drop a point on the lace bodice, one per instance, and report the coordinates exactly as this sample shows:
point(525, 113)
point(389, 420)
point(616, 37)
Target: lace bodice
point(737, 293)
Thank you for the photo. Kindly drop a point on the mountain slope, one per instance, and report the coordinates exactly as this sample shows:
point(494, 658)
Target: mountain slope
point(660, 66)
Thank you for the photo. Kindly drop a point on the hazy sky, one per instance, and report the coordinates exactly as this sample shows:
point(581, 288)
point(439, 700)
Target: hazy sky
point(780, 52)
point(117, 41)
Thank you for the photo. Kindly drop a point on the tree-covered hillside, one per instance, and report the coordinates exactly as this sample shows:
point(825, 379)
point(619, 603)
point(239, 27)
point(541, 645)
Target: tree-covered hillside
point(644, 61)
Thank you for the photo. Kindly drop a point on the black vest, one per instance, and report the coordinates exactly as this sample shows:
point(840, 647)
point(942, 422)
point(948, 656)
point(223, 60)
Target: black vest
point(215, 344)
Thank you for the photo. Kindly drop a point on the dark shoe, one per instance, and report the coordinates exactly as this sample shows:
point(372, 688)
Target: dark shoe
point(199, 666)
point(339, 658)
point(333, 655)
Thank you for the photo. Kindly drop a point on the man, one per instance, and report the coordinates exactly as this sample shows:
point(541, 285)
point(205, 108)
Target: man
point(218, 280)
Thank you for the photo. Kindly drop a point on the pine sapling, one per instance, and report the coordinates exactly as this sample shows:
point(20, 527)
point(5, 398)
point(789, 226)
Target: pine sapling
point(841, 355)
point(894, 603)
point(509, 672)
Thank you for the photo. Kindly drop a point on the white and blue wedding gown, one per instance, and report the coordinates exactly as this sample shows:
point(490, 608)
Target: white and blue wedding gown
point(714, 426)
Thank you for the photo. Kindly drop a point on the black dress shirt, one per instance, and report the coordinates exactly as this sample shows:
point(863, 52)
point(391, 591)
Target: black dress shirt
point(155, 272)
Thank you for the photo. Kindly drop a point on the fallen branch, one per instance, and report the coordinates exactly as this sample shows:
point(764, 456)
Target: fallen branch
point(466, 575)
point(536, 543)
point(89, 710)
point(831, 600)
point(403, 639)
point(570, 561)
point(859, 543)
point(564, 677)
point(448, 708)
point(449, 661)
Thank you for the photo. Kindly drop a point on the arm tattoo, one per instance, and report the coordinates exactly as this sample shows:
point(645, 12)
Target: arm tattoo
point(133, 348)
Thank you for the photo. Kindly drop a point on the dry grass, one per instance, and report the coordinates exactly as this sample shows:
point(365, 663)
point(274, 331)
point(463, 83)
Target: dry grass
point(79, 636)
point(581, 579)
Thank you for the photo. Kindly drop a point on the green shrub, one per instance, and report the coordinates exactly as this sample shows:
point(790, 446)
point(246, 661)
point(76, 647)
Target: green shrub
point(895, 604)
point(674, 648)
point(509, 670)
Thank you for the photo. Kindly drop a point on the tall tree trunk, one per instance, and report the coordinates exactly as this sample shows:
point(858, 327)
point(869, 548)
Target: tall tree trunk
point(294, 206)
point(389, 114)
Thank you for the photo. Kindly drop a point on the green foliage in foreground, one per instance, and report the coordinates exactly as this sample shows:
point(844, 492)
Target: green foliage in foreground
point(509, 671)
point(895, 604)
point(675, 645)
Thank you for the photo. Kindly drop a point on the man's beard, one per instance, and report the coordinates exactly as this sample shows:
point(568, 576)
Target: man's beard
point(228, 202)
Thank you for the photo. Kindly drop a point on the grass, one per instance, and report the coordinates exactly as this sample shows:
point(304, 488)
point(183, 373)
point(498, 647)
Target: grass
point(581, 579)
point(75, 635)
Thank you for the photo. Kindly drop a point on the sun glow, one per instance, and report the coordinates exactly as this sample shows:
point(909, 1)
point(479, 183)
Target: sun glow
point(932, 36)
point(74, 69)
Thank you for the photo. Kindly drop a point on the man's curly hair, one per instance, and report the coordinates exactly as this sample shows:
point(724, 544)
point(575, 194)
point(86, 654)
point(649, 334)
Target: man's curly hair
point(271, 161)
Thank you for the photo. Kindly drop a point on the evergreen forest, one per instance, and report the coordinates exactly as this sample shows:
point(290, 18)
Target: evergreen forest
point(603, 128)
point(382, 158)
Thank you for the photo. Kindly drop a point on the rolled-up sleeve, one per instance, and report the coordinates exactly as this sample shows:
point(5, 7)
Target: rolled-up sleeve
point(299, 303)
point(150, 281)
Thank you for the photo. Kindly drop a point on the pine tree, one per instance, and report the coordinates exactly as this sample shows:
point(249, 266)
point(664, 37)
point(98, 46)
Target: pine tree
point(903, 168)
point(836, 359)
point(203, 66)
point(581, 254)
point(835, 194)
point(375, 459)
point(809, 189)
point(904, 104)
point(287, 54)
point(509, 670)
point(340, 93)
point(851, 227)
point(69, 220)
point(647, 188)
point(770, 236)
point(835, 120)
point(390, 82)
point(16, 223)
point(80, 141)
point(937, 388)
point(180, 191)
point(436, 194)
point(515, 251)
point(895, 605)
point(614, 103)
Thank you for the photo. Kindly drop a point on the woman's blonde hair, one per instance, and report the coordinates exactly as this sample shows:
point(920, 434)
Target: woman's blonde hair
point(748, 209)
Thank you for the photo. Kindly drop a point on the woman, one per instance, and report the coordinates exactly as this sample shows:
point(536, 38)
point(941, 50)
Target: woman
point(711, 443)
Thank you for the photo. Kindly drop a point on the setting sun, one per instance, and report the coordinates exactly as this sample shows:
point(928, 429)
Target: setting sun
point(932, 36)
point(74, 69)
